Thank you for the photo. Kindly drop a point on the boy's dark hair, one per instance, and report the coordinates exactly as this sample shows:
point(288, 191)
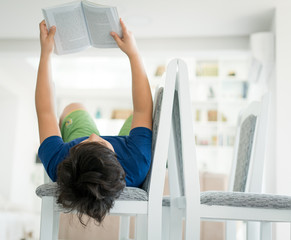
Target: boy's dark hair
point(89, 180)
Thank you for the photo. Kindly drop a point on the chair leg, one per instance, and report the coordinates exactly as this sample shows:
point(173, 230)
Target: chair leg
point(166, 223)
point(141, 227)
point(266, 231)
point(49, 223)
point(230, 230)
point(253, 230)
point(176, 224)
point(192, 226)
point(124, 227)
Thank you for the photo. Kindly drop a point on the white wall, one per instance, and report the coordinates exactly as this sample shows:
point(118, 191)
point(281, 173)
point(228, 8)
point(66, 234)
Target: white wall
point(8, 122)
point(19, 141)
point(283, 110)
point(270, 169)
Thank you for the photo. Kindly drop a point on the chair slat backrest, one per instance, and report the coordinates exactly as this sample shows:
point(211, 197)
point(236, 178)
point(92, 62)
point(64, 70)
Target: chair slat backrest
point(255, 176)
point(245, 146)
point(154, 183)
point(183, 171)
point(178, 143)
point(163, 104)
point(183, 135)
point(248, 160)
point(190, 166)
point(156, 119)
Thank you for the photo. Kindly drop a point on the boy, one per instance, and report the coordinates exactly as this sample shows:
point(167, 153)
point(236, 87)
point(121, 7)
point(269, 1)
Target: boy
point(92, 170)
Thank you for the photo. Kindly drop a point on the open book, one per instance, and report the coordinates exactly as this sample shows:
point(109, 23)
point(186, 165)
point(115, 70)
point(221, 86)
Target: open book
point(82, 24)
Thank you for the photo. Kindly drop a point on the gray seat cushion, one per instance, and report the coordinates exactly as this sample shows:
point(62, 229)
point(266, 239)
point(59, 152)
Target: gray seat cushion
point(246, 140)
point(238, 199)
point(128, 194)
point(251, 200)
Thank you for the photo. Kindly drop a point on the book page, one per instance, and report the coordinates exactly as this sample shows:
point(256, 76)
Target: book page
point(71, 35)
point(101, 20)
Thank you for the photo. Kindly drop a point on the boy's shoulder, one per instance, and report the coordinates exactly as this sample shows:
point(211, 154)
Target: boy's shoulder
point(140, 131)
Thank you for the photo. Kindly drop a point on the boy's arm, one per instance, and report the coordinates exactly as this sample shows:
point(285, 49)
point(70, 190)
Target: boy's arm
point(141, 92)
point(44, 99)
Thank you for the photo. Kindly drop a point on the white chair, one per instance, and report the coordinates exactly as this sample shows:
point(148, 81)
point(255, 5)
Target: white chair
point(239, 206)
point(144, 203)
point(183, 181)
point(246, 174)
point(246, 197)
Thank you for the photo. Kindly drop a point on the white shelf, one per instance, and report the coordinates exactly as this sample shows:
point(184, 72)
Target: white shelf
point(233, 79)
point(217, 79)
point(220, 101)
point(205, 124)
point(213, 148)
point(205, 102)
point(223, 94)
point(238, 101)
point(213, 124)
point(208, 80)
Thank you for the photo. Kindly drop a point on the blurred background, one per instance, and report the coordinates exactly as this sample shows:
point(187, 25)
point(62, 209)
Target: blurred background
point(235, 52)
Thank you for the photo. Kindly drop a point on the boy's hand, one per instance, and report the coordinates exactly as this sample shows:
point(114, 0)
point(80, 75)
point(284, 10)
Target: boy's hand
point(127, 43)
point(46, 38)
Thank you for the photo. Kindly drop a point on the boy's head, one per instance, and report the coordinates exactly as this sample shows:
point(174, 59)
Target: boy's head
point(90, 179)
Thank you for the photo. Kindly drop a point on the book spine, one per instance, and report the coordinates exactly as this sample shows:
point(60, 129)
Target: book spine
point(82, 7)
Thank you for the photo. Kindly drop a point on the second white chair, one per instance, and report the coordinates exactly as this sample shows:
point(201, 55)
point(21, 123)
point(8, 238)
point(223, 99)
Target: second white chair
point(185, 201)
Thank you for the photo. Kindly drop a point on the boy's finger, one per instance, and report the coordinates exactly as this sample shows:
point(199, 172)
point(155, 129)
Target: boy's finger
point(41, 24)
point(116, 38)
point(43, 31)
point(123, 27)
point(41, 27)
point(52, 31)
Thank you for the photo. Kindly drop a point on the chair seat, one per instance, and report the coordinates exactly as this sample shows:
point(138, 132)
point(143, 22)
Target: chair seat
point(128, 194)
point(239, 199)
point(251, 200)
